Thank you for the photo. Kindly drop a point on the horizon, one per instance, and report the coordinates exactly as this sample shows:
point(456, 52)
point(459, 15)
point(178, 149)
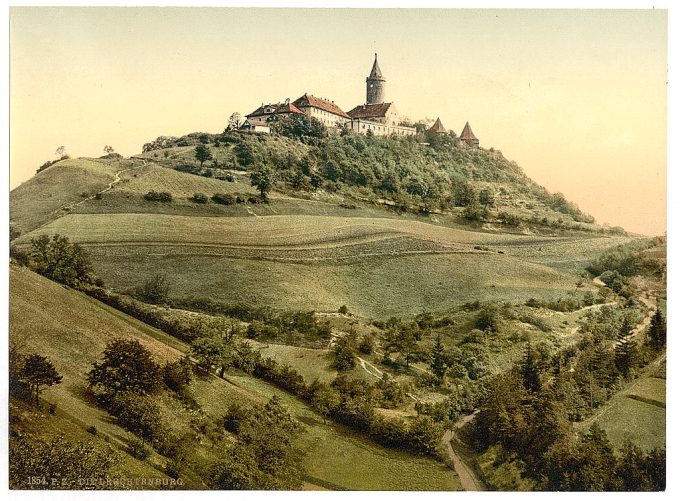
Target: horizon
point(84, 78)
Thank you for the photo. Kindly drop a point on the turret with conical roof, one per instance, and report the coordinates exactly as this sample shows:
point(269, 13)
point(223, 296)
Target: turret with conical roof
point(468, 137)
point(438, 127)
point(375, 85)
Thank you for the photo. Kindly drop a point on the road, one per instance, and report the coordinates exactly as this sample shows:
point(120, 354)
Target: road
point(468, 480)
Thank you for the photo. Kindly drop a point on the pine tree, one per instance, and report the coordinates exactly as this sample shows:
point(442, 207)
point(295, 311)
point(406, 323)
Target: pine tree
point(530, 374)
point(438, 361)
point(657, 331)
point(625, 348)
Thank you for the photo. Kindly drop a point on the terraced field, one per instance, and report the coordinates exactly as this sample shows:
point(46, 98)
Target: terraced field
point(72, 329)
point(376, 266)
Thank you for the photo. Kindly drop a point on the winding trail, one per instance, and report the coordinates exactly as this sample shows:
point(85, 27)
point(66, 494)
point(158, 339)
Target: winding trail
point(468, 480)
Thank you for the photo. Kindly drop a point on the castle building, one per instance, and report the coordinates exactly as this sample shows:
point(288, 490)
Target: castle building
point(376, 115)
point(266, 111)
point(468, 137)
point(438, 127)
point(327, 112)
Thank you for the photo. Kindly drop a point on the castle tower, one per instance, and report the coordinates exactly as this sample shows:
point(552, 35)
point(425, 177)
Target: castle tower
point(375, 85)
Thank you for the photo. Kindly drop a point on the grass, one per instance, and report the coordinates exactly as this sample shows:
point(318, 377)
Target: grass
point(636, 413)
point(40, 199)
point(72, 330)
point(378, 267)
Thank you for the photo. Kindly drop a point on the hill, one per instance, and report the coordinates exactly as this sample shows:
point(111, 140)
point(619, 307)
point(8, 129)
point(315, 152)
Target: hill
point(72, 330)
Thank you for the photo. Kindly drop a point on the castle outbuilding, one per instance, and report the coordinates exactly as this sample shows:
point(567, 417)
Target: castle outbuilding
point(438, 127)
point(327, 112)
point(468, 137)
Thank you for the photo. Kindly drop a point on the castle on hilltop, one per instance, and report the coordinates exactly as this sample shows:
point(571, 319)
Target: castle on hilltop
point(375, 116)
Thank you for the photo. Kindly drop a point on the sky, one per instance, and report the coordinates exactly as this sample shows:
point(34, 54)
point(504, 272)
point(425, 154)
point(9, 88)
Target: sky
point(576, 97)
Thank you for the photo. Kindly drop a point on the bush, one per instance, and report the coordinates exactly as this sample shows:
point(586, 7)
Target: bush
point(199, 198)
point(158, 196)
point(223, 199)
point(155, 290)
point(177, 375)
point(92, 429)
point(138, 414)
point(138, 449)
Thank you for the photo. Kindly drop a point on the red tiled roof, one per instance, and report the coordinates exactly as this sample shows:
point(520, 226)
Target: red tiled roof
point(257, 121)
point(308, 100)
point(438, 127)
point(467, 134)
point(278, 108)
point(367, 111)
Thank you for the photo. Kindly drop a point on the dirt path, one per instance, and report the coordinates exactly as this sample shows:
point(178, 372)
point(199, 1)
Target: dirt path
point(468, 479)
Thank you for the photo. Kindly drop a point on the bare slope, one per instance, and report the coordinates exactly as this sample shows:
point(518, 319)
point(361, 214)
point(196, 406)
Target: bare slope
point(72, 329)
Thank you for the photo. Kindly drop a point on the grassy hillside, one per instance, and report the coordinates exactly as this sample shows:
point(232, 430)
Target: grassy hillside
point(378, 267)
point(72, 330)
point(47, 194)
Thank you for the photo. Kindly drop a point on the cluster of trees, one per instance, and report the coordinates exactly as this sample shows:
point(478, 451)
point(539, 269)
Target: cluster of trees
point(264, 456)
point(57, 259)
point(58, 464)
point(529, 411)
point(126, 382)
point(624, 261)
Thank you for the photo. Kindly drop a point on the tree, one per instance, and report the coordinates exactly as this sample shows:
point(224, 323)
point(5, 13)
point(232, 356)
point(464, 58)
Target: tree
point(344, 352)
point(235, 121)
point(263, 180)
point(531, 378)
point(63, 462)
point(155, 290)
point(211, 352)
point(60, 151)
point(59, 260)
point(202, 153)
point(108, 149)
point(126, 366)
point(657, 331)
point(486, 197)
point(625, 348)
point(438, 359)
point(323, 398)
point(38, 371)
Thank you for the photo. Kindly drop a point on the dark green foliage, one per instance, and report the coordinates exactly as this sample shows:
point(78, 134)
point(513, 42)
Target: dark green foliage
point(38, 371)
point(223, 198)
point(177, 375)
point(393, 393)
point(202, 153)
point(199, 198)
point(367, 345)
point(127, 366)
point(155, 290)
point(626, 259)
point(531, 378)
point(613, 280)
point(298, 127)
point(344, 352)
point(438, 359)
point(264, 456)
point(158, 196)
point(59, 260)
point(657, 331)
point(210, 353)
point(138, 449)
point(487, 320)
point(263, 180)
point(625, 348)
point(138, 414)
point(58, 464)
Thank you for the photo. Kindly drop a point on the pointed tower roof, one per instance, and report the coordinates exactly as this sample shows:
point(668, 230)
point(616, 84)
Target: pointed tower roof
point(376, 74)
point(467, 134)
point(438, 127)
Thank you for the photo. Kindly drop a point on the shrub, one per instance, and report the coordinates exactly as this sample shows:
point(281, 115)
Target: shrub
point(177, 375)
point(223, 199)
point(199, 198)
point(138, 449)
point(158, 196)
point(155, 290)
point(92, 429)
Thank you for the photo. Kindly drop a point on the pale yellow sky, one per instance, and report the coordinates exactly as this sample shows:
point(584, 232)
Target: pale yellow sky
point(577, 98)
